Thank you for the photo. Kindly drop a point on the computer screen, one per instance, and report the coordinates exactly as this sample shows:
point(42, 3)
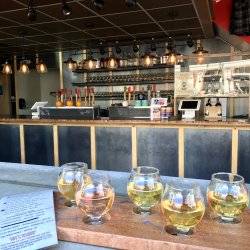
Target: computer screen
point(189, 105)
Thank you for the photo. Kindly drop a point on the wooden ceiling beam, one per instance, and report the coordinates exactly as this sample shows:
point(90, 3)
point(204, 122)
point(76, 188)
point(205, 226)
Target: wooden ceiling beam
point(203, 11)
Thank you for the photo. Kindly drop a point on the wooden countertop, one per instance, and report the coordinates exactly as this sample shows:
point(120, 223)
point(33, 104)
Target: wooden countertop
point(128, 123)
point(230, 123)
point(127, 230)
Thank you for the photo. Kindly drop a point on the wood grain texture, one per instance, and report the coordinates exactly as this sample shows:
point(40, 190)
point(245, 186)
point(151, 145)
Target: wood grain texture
point(127, 230)
point(230, 123)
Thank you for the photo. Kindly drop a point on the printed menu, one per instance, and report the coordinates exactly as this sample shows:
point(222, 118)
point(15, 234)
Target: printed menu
point(27, 221)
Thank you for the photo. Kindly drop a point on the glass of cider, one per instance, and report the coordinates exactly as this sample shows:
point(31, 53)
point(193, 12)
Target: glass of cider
point(95, 198)
point(69, 178)
point(227, 197)
point(144, 189)
point(183, 207)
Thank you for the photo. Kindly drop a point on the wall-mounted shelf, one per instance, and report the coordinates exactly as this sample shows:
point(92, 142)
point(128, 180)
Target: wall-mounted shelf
point(127, 68)
point(86, 84)
point(215, 96)
point(120, 96)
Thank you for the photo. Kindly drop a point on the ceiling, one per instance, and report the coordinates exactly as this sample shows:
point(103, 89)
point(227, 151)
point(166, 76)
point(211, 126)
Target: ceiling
point(86, 26)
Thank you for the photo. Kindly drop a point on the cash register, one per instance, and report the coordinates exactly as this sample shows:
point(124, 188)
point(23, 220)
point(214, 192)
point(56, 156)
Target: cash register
point(188, 108)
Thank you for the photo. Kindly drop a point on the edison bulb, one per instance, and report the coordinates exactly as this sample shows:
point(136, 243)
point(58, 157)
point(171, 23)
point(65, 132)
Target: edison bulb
point(70, 66)
point(147, 61)
point(112, 63)
point(91, 64)
point(172, 59)
point(24, 68)
point(7, 69)
point(42, 68)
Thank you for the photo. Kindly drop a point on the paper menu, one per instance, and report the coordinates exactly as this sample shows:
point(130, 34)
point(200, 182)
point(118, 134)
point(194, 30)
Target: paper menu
point(27, 221)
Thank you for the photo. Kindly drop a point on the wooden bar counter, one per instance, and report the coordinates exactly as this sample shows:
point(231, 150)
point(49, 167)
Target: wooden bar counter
point(127, 230)
point(193, 149)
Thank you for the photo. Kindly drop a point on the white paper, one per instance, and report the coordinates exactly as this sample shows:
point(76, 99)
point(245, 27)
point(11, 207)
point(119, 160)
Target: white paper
point(27, 221)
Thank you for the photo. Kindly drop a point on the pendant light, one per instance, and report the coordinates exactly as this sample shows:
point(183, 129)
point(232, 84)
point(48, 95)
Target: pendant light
point(112, 62)
point(199, 51)
point(90, 63)
point(7, 68)
point(71, 64)
point(147, 60)
point(41, 67)
point(171, 57)
point(24, 67)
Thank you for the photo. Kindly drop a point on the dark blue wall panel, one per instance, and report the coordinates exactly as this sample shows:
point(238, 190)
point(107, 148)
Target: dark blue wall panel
point(244, 154)
point(9, 143)
point(207, 151)
point(113, 149)
point(158, 147)
point(39, 147)
point(74, 144)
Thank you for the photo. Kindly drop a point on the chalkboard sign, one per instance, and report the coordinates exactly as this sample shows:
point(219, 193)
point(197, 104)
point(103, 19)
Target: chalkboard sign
point(70, 113)
point(129, 113)
point(1, 90)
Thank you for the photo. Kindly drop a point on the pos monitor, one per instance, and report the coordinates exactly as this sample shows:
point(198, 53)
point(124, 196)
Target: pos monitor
point(188, 108)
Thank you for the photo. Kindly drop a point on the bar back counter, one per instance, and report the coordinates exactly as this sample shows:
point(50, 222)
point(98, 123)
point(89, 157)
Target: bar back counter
point(185, 149)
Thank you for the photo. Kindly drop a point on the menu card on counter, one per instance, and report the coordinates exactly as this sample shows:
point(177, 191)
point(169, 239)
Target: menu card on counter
point(27, 221)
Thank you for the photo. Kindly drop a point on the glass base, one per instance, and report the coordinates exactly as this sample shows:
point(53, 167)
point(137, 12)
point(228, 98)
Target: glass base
point(178, 231)
point(142, 211)
point(228, 220)
point(96, 220)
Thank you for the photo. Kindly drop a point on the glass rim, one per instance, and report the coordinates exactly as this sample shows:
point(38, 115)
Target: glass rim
point(193, 186)
point(241, 178)
point(73, 166)
point(156, 170)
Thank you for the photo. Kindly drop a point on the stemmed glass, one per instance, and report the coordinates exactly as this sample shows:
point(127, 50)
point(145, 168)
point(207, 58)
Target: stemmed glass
point(144, 188)
point(95, 197)
point(227, 197)
point(183, 207)
point(69, 179)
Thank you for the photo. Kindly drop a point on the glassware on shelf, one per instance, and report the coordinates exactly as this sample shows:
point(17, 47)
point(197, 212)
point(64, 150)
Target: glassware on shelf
point(69, 179)
point(95, 197)
point(183, 207)
point(144, 188)
point(227, 197)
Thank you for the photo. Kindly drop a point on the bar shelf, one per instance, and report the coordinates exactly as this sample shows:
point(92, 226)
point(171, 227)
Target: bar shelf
point(127, 68)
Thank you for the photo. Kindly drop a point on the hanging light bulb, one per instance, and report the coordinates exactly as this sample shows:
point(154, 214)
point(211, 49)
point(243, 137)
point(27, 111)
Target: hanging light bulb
point(7, 68)
point(180, 58)
point(24, 68)
point(41, 67)
point(200, 51)
point(89, 63)
point(171, 57)
point(112, 63)
point(147, 60)
point(71, 64)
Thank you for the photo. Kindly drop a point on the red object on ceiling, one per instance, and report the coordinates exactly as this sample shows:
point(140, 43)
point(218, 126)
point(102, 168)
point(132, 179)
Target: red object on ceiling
point(222, 14)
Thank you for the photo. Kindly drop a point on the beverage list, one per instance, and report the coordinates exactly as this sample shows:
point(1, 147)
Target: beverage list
point(27, 221)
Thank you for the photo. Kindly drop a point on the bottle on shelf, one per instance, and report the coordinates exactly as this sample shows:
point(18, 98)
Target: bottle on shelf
point(149, 88)
point(154, 91)
point(167, 111)
point(141, 95)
